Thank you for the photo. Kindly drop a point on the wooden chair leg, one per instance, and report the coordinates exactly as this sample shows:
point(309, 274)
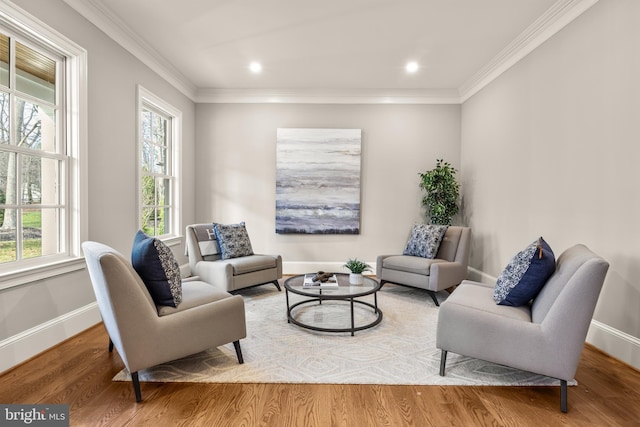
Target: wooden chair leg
point(443, 362)
point(236, 344)
point(275, 282)
point(136, 386)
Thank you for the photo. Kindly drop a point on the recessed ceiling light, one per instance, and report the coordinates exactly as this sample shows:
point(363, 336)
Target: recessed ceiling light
point(255, 67)
point(412, 67)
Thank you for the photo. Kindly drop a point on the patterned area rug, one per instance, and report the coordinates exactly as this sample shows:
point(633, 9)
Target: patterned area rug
point(400, 350)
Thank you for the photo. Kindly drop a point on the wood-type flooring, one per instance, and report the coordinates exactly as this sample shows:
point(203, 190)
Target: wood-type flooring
point(78, 372)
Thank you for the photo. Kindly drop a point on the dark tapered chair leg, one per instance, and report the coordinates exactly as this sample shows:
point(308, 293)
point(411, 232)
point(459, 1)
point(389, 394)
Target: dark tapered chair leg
point(443, 362)
point(110, 345)
point(275, 282)
point(236, 344)
point(382, 282)
point(433, 296)
point(136, 386)
point(563, 396)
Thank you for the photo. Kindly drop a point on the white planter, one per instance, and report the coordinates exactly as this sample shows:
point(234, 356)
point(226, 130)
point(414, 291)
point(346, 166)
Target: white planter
point(356, 279)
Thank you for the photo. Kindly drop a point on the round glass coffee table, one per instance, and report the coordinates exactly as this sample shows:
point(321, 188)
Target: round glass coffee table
point(344, 292)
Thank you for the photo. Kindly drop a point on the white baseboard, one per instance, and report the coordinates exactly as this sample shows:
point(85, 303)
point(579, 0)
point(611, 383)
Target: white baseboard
point(300, 267)
point(23, 346)
point(616, 343)
point(480, 276)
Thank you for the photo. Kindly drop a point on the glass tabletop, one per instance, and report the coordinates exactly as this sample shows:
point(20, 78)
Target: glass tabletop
point(344, 289)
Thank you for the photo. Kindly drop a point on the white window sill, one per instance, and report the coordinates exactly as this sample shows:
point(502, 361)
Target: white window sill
point(32, 274)
point(56, 268)
point(172, 240)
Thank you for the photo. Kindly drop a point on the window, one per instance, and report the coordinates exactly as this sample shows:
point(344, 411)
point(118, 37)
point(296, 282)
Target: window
point(158, 141)
point(32, 159)
point(41, 81)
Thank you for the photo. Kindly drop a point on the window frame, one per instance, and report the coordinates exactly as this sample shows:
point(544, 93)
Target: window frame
point(73, 119)
point(148, 100)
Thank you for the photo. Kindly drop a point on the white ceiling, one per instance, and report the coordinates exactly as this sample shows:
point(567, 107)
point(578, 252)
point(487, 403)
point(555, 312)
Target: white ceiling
point(329, 45)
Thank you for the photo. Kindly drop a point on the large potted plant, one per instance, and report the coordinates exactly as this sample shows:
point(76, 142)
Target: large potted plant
point(441, 186)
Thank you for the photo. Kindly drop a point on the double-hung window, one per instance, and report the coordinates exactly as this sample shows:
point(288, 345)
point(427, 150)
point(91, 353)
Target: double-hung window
point(41, 81)
point(158, 140)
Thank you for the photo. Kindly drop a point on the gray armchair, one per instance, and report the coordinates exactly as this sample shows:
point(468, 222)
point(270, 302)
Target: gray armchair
point(146, 335)
point(447, 269)
point(546, 337)
point(230, 274)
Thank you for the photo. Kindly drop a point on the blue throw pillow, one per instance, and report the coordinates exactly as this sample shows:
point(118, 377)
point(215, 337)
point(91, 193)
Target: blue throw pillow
point(525, 275)
point(233, 240)
point(424, 240)
point(158, 268)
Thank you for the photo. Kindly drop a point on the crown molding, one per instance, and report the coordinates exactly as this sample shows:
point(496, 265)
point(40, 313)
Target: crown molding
point(98, 14)
point(328, 96)
point(552, 21)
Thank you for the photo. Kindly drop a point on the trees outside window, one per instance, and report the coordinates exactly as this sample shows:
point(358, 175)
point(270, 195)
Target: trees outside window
point(43, 136)
point(33, 204)
point(159, 125)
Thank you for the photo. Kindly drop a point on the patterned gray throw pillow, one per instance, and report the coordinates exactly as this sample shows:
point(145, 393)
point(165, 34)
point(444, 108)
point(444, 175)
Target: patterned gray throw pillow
point(233, 240)
point(424, 240)
point(525, 275)
point(171, 270)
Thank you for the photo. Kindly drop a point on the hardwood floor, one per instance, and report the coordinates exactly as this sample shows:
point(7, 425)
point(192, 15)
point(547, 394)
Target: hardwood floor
point(78, 372)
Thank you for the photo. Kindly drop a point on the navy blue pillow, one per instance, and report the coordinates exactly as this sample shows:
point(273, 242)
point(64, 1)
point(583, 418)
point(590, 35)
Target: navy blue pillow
point(525, 275)
point(157, 267)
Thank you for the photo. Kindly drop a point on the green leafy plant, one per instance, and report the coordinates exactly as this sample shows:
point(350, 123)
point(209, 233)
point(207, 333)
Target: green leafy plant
point(356, 266)
point(441, 200)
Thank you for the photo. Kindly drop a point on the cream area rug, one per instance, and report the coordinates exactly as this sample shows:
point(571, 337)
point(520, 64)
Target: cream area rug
point(399, 350)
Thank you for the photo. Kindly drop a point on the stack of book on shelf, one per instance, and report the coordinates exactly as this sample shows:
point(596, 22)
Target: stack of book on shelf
point(311, 282)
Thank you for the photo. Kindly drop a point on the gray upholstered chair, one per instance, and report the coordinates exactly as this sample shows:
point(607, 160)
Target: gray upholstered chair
point(230, 274)
point(545, 337)
point(447, 269)
point(146, 335)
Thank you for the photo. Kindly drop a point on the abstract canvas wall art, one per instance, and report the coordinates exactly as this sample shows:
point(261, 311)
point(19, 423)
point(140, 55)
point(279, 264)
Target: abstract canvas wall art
point(318, 181)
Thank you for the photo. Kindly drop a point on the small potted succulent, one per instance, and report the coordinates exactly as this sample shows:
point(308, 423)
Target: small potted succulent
point(357, 267)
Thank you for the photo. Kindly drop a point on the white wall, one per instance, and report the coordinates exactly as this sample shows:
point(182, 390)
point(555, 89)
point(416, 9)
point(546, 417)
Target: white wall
point(236, 170)
point(551, 148)
point(40, 314)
